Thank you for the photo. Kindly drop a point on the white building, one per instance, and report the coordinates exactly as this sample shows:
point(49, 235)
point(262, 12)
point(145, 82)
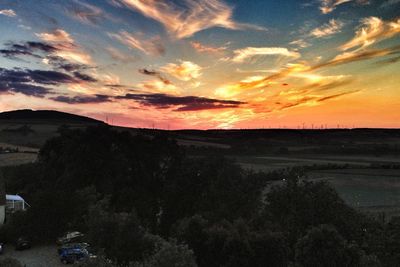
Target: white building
point(15, 203)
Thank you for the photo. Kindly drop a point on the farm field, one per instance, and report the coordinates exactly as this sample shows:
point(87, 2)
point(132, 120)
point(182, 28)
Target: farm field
point(373, 190)
point(270, 163)
point(370, 190)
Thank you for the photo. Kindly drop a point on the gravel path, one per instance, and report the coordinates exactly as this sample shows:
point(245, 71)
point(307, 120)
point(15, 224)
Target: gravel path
point(43, 256)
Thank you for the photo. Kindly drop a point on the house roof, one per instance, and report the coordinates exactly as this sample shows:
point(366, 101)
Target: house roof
point(14, 197)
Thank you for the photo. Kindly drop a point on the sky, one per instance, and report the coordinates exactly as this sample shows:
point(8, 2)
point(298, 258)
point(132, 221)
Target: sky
point(205, 64)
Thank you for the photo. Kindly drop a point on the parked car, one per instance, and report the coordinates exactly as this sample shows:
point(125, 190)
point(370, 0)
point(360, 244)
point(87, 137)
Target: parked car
point(72, 255)
point(75, 254)
point(70, 237)
point(73, 246)
point(22, 243)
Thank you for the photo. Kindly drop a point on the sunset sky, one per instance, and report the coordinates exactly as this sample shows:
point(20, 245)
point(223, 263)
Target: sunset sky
point(202, 64)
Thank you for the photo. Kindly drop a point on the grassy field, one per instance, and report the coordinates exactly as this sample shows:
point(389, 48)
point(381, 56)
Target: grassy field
point(374, 190)
point(270, 163)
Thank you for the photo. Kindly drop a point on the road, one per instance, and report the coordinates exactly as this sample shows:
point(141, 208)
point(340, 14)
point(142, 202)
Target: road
point(42, 256)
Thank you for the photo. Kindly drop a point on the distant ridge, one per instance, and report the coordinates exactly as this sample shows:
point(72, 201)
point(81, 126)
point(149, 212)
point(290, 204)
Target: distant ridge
point(28, 114)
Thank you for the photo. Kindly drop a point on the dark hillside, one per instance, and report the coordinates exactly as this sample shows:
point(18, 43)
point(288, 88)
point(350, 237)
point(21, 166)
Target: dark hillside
point(45, 115)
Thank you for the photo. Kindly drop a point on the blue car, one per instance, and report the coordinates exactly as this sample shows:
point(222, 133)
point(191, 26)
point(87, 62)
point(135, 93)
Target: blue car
point(72, 255)
point(73, 246)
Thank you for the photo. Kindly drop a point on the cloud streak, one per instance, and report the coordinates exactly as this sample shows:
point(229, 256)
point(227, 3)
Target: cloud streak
point(15, 50)
point(181, 103)
point(328, 29)
point(85, 99)
point(86, 13)
point(182, 21)
point(202, 48)
point(249, 52)
point(152, 46)
point(327, 6)
point(371, 31)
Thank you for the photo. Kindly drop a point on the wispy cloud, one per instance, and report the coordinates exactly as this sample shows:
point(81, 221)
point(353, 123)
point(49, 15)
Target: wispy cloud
point(152, 46)
point(184, 71)
point(372, 30)
point(207, 48)
point(350, 57)
point(86, 13)
point(327, 6)
point(121, 56)
point(56, 36)
point(328, 29)
point(192, 16)
point(8, 12)
point(300, 43)
point(248, 52)
point(66, 47)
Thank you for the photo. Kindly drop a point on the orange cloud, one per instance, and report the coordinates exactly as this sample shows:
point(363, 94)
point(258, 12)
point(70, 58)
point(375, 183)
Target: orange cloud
point(185, 71)
point(57, 36)
point(373, 30)
point(184, 22)
point(206, 49)
point(66, 47)
point(350, 57)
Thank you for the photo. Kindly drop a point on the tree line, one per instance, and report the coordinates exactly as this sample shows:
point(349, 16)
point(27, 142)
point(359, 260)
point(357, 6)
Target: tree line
point(142, 201)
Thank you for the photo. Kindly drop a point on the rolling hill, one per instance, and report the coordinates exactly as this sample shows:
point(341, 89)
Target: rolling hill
point(32, 128)
point(45, 115)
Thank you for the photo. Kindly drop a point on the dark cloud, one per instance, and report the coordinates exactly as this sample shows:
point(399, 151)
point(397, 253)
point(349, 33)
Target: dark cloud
point(33, 82)
point(181, 103)
point(49, 77)
point(44, 51)
point(29, 82)
point(155, 74)
point(35, 76)
point(84, 77)
point(14, 50)
point(23, 88)
point(92, 99)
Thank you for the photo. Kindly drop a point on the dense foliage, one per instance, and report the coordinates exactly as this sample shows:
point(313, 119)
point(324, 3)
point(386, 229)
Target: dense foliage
point(143, 202)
